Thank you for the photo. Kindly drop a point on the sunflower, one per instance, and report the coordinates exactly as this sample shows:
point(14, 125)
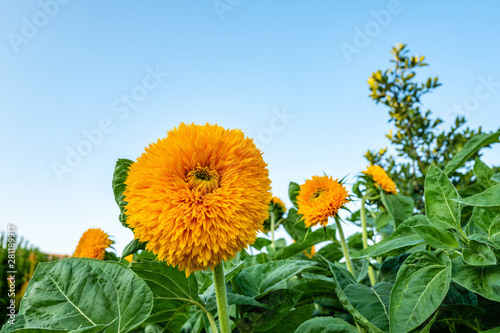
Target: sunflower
point(93, 244)
point(381, 178)
point(276, 207)
point(320, 198)
point(311, 252)
point(198, 196)
point(129, 258)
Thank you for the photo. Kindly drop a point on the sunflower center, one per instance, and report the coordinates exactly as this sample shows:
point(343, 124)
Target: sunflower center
point(203, 179)
point(316, 194)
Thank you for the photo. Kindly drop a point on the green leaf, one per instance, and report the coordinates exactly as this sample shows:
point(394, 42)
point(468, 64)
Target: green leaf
point(383, 219)
point(260, 280)
point(494, 232)
point(326, 325)
point(483, 173)
point(293, 319)
point(134, 246)
point(293, 192)
point(357, 316)
point(398, 206)
point(421, 285)
point(437, 238)
point(210, 300)
point(261, 242)
point(390, 267)
point(332, 252)
point(312, 238)
point(472, 146)
point(483, 218)
point(119, 176)
point(279, 303)
point(77, 293)
point(294, 225)
point(173, 293)
point(487, 199)
point(442, 210)
point(400, 241)
point(479, 254)
point(484, 281)
point(496, 178)
point(372, 303)
point(461, 313)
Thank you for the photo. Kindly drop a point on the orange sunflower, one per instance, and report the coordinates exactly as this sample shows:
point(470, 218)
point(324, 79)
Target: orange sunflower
point(320, 198)
point(198, 196)
point(381, 178)
point(93, 244)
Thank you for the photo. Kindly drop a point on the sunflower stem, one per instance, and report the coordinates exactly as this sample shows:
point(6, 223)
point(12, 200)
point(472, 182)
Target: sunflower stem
point(221, 296)
point(371, 273)
point(273, 222)
point(345, 249)
point(211, 319)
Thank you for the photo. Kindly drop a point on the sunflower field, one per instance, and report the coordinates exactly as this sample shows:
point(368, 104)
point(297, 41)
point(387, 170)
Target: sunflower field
point(205, 256)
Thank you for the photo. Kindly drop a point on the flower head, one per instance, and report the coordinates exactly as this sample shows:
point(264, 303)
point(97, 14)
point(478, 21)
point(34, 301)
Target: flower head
point(93, 244)
point(198, 196)
point(320, 198)
point(381, 178)
point(276, 207)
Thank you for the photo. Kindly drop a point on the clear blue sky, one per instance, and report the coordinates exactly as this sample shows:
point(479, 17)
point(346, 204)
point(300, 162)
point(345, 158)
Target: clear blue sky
point(69, 68)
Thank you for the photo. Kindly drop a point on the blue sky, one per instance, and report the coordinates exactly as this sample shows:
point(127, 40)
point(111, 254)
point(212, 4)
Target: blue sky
point(279, 71)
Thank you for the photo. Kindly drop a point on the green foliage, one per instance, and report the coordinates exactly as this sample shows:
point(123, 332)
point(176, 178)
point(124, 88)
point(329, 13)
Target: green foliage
point(417, 138)
point(428, 261)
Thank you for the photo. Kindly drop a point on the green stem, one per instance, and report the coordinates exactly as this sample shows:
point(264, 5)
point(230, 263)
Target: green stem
point(221, 296)
point(211, 319)
point(371, 273)
point(345, 249)
point(273, 222)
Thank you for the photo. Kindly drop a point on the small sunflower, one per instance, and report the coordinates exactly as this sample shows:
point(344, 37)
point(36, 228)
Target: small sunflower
point(320, 198)
point(278, 208)
point(93, 244)
point(129, 258)
point(311, 252)
point(381, 178)
point(198, 196)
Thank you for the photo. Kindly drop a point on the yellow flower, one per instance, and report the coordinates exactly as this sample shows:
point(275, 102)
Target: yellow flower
point(198, 196)
point(129, 258)
point(320, 198)
point(277, 207)
point(381, 178)
point(93, 244)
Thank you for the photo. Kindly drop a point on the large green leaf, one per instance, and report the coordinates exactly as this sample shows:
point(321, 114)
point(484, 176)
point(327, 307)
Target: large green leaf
point(487, 199)
point(312, 238)
point(470, 148)
point(440, 206)
point(479, 254)
point(496, 177)
point(398, 206)
point(344, 300)
point(421, 285)
point(437, 238)
point(78, 293)
point(372, 303)
point(260, 280)
point(482, 280)
point(173, 293)
point(326, 325)
point(460, 313)
point(119, 176)
point(483, 173)
point(400, 241)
